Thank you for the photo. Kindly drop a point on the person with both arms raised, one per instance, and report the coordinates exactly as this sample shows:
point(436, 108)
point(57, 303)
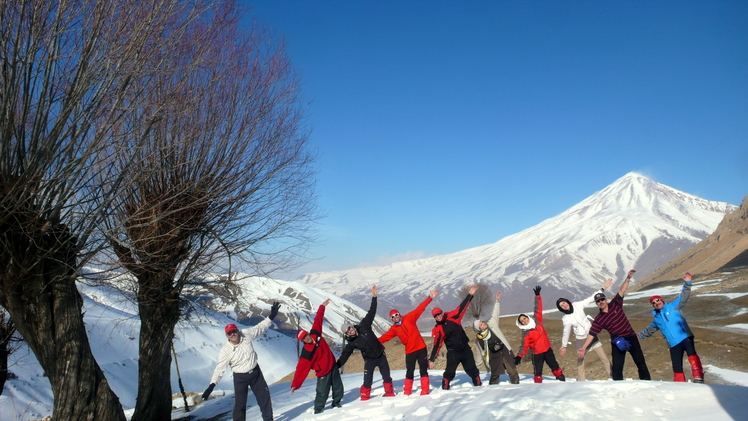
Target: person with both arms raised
point(623, 337)
point(362, 337)
point(497, 354)
point(449, 332)
point(535, 337)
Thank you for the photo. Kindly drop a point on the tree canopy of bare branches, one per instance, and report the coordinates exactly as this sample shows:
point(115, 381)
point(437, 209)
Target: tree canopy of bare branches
point(221, 172)
point(71, 74)
point(481, 303)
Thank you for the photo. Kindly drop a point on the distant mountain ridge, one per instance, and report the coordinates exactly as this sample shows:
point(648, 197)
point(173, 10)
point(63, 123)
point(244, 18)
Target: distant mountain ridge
point(724, 249)
point(633, 223)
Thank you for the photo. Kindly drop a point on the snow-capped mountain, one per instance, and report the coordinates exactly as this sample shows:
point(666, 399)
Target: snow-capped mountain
point(634, 223)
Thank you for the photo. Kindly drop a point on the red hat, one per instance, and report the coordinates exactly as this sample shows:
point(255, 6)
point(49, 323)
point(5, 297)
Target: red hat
point(435, 311)
point(654, 297)
point(230, 328)
point(301, 334)
point(393, 312)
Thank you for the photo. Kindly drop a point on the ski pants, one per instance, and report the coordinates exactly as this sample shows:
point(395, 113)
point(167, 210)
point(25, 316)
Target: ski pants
point(547, 357)
point(619, 357)
point(464, 357)
point(329, 381)
point(384, 370)
point(676, 353)
point(420, 356)
point(256, 381)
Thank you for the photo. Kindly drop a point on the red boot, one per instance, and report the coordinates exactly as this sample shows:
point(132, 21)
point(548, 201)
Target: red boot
point(408, 387)
point(476, 381)
point(425, 385)
point(389, 390)
point(696, 370)
point(365, 393)
point(679, 377)
point(559, 374)
point(445, 383)
point(538, 379)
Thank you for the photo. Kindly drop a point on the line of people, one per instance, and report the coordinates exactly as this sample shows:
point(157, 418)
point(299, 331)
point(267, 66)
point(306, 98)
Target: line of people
point(492, 344)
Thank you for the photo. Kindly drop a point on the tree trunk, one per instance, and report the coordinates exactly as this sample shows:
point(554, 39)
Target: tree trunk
point(3, 364)
point(159, 313)
point(46, 307)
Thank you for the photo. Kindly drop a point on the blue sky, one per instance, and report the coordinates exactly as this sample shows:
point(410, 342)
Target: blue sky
point(446, 125)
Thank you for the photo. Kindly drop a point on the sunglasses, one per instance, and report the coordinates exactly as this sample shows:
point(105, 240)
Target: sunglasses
point(437, 315)
point(600, 300)
point(395, 315)
point(655, 301)
point(233, 332)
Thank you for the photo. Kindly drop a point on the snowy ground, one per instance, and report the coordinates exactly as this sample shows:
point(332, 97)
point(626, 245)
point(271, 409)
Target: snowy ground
point(551, 400)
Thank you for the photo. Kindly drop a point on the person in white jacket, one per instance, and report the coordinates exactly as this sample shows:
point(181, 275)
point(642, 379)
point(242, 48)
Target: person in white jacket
point(576, 319)
point(239, 353)
point(495, 349)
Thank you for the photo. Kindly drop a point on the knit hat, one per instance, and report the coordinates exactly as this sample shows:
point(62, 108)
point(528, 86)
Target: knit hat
point(301, 334)
point(558, 305)
point(345, 328)
point(393, 312)
point(599, 296)
point(230, 328)
point(435, 311)
point(476, 325)
point(653, 298)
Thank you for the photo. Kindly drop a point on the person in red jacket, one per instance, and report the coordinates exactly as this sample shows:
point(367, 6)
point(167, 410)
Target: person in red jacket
point(449, 332)
point(407, 331)
point(535, 337)
point(316, 355)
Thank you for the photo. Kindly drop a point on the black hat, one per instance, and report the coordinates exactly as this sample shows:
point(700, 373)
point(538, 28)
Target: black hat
point(599, 296)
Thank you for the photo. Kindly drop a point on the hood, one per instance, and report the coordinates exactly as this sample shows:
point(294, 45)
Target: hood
point(528, 326)
point(559, 301)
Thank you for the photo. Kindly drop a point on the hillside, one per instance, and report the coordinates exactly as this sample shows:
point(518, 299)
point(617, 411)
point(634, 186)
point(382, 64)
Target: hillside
point(724, 249)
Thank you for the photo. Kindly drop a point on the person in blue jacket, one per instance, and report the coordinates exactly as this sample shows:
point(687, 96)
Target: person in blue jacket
point(669, 320)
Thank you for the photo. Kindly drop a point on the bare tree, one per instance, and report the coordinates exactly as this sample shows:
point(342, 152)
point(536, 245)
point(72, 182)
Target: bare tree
point(482, 300)
point(224, 174)
point(70, 71)
point(9, 343)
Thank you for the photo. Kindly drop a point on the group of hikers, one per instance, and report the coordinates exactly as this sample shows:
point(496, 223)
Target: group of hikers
point(448, 333)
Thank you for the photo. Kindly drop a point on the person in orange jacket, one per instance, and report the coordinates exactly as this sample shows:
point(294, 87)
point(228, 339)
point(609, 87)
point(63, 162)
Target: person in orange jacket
point(407, 331)
point(316, 354)
point(535, 337)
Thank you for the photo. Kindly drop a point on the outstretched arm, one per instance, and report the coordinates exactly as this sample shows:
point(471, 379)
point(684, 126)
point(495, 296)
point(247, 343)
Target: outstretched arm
point(369, 318)
point(684, 293)
point(625, 284)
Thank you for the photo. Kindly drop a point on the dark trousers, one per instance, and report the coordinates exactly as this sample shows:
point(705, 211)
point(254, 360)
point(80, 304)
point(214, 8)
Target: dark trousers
point(547, 357)
point(420, 356)
point(329, 381)
point(619, 357)
point(464, 357)
point(500, 361)
point(256, 381)
point(384, 370)
point(676, 353)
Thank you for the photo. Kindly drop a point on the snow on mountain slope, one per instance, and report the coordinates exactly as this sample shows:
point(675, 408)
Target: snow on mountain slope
point(112, 326)
point(633, 223)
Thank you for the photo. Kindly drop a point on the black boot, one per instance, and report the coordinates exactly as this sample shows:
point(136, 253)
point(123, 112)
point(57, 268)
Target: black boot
point(445, 383)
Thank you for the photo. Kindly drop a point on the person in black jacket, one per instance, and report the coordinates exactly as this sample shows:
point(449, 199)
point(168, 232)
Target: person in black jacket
point(361, 337)
point(449, 332)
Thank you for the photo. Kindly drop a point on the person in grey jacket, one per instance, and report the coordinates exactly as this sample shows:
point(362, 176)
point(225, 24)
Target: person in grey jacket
point(495, 349)
point(239, 353)
point(577, 320)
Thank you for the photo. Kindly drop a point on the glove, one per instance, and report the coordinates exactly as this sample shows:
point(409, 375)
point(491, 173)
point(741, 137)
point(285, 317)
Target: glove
point(208, 391)
point(536, 290)
point(517, 360)
point(274, 310)
point(622, 343)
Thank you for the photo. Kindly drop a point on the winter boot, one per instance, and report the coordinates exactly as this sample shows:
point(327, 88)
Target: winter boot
point(538, 379)
point(679, 377)
point(365, 393)
point(425, 385)
point(445, 383)
point(696, 370)
point(408, 387)
point(476, 381)
point(389, 390)
point(559, 374)
point(494, 379)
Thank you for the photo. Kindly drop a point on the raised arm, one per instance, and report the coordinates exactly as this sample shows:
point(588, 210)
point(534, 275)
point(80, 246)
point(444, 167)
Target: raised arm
point(416, 313)
point(684, 293)
point(369, 319)
point(459, 312)
point(625, 284)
